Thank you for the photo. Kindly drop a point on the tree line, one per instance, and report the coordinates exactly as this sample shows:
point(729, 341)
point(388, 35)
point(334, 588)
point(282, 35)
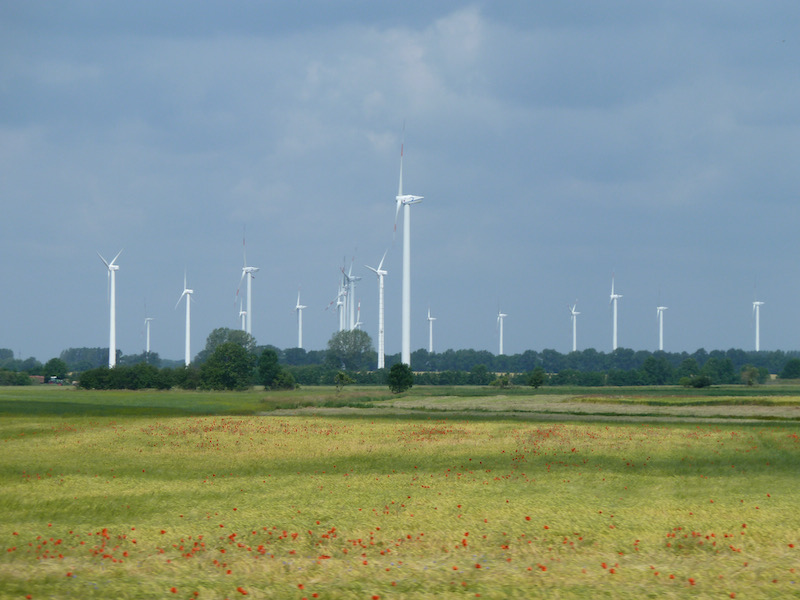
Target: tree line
point(352, 352)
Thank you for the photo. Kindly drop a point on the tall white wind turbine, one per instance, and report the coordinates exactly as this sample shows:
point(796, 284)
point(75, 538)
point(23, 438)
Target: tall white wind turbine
point(660, 314)
point(249, 273)
point(613, 302)
point(430, 331)
point(381, 273)
point(500, 317)
point(405, 201)
point(112, 302)
point(188, 294)
point(574, 317)
point(757, 313)
point(299, 310)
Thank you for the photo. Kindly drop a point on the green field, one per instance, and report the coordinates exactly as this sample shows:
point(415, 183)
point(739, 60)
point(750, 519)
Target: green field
point(438, 493)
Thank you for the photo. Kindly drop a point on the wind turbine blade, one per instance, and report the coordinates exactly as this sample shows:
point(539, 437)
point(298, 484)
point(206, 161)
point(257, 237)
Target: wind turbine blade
point(402, 143)
point(116, 257)
point(179, 299)
point(380, 264)
point(105, 262)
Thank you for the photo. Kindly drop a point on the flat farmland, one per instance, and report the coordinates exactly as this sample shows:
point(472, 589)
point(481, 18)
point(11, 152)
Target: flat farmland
point(314, 494)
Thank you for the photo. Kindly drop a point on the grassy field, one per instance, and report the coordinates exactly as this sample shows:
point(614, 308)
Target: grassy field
point(439, 493)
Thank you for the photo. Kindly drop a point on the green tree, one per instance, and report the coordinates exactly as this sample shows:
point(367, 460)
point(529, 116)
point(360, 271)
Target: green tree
point(55, 367)
point(268, 367)
point(792, 369)
point(350, 350)
point(536, 377)
point(342, 379)
point(479, 375)
point(224, 335)
point(656, 370)
point(229, 367)
point(400, 378)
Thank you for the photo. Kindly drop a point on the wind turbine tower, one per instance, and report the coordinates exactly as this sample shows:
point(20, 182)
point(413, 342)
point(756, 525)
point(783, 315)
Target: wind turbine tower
point(757, 313)
point(299, 309)
point(351, 298)
point(188, 294)
point(574, 316)
point(249, 273)
point(147, 335)
point(430, 331)
point(660, 314)
point(500, 317)
point(380, 272)
point(112, 301)
point(405, 201)
point(243, 316)
point(613, 302)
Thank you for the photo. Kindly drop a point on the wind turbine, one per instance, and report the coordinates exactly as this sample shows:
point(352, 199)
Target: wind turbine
point(249, 273)
point(500, 317)
point(112, 301)
point(380, 272)
point(660, 314)
point(299, 310)
point(574, 316)
point(430, 331)
point(757, 313)
point(405, 201)
point(188, 294)
point(613, 302)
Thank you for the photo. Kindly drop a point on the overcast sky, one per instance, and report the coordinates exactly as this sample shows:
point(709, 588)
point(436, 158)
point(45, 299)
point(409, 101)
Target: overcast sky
point(555, 143)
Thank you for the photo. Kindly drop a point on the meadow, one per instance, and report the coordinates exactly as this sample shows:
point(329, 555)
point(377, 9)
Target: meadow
point(361, 494)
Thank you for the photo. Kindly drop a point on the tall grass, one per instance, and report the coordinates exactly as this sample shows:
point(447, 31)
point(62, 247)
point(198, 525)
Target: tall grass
point(134, 505)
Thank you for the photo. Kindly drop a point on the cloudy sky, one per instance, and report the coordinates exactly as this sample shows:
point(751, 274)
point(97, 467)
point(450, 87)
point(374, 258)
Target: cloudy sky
point(555, 143)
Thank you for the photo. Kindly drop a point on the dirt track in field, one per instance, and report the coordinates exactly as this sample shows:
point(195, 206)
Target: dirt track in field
point(562, 407)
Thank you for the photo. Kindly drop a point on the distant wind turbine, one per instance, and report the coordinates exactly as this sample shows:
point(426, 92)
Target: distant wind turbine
point(430, 331)
point(112, 302)
point(574, 317)
point(613, 302)
point(660, 314)
point(757, 313)
point(249, 273)
point(405, 201)
point(341, 307)
point(500, 317)
point(188, 294)
point(381, 273)
point(299, 309)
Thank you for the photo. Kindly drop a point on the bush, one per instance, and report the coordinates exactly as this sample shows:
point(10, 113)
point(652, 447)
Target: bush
point(701, 381)
point(283, 381)
point(400, 378)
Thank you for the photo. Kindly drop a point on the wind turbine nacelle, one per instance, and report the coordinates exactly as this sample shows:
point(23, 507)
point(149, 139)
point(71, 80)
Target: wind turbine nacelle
point(408, 199)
